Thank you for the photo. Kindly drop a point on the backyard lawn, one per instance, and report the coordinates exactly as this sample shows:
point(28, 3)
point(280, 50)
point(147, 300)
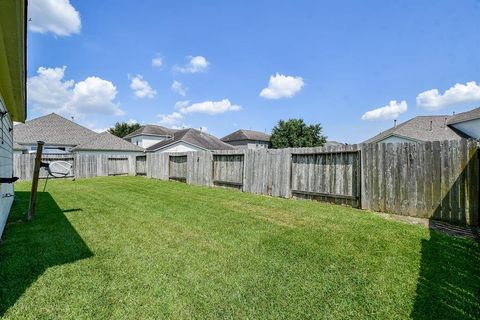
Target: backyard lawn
point(130, 247)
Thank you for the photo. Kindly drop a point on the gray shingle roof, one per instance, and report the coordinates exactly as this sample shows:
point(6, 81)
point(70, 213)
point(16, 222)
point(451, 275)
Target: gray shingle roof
point(333, 144)
point(152, 130)
point(243, 134)
point(106, 141)
point(418, 128)
point(464, 116)
point(53, 130)
point(195, 137)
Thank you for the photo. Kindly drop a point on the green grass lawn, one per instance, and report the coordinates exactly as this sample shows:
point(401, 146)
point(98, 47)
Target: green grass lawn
point(129, 247)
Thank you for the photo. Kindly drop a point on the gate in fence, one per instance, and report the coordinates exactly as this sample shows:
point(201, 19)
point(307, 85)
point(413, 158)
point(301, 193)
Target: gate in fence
point(227, 170)
point(332, 176)
point(141, 165)
point(177, 168)
point(117, 166)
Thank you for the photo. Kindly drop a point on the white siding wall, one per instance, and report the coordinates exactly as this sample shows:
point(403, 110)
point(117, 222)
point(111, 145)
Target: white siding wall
point(113, 153)
point(146, 141)
point(180, 147)
point(472, 128)
point(6, 167)
point(395, 139)
point(249, 144)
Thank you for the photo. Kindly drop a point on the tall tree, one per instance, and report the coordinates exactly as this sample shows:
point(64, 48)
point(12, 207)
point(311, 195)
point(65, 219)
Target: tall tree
point(295, 133)
point(121, 129)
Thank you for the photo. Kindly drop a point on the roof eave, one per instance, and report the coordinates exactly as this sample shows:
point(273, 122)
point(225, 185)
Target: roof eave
point(174, 142)
point(13, 34)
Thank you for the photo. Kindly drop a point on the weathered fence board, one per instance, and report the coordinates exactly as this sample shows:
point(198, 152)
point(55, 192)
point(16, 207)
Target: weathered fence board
point(438, 180)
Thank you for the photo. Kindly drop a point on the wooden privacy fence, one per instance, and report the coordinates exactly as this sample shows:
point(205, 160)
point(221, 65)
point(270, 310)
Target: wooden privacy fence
point(436, 180)
point(23, 164)
point(269, 172)
point(84, 165)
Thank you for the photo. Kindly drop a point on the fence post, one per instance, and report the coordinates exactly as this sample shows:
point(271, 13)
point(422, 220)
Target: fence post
point(36, 173)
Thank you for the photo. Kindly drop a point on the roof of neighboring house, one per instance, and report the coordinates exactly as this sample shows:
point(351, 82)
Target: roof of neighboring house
point(464, 116)
point(333, 144)
point(243, 134)
point(52, 129)
point(151, 130)
point(418, 129)
point(194, 137)
point(106, 141)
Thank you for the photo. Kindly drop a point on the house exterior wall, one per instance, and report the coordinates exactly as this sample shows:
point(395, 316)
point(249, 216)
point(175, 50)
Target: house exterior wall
point(110, 153)
point(180, 147)
point(147, 141)
point(395, 139)
point(49, 149)
point(472, 128)
point(6, 167)
point(249, 144)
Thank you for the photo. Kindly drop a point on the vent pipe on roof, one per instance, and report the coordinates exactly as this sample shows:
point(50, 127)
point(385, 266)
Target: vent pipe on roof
point(395, 123)
point(445, 122)
point(431, 125)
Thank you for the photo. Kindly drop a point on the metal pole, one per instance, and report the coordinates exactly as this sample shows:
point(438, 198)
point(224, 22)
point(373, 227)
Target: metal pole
point(36, 173)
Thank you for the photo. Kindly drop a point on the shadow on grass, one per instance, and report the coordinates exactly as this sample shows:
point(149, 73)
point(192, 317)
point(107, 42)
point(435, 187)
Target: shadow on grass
point(448, 285)
point(32, 247)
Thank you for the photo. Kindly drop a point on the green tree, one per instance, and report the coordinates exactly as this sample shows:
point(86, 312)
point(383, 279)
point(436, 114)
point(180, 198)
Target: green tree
point(121, 129)
point(295, 133)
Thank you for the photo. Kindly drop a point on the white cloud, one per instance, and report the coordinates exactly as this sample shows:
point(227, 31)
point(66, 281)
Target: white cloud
point(458, 94)
point(181, 104)
point(56, 16)
point(209, 107)
point(132, 121)
point(99, 130)
point(390, 111)
point(178, 87)
point(184, 107)
point(157, 62)
point(141, 88)
point(195, 64)
point(49, 92)
point(170, 119)
point(281, 86)
point(94, 95)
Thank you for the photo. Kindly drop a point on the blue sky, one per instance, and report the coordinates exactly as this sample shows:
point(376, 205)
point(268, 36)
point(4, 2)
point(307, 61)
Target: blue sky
point(335, 61)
